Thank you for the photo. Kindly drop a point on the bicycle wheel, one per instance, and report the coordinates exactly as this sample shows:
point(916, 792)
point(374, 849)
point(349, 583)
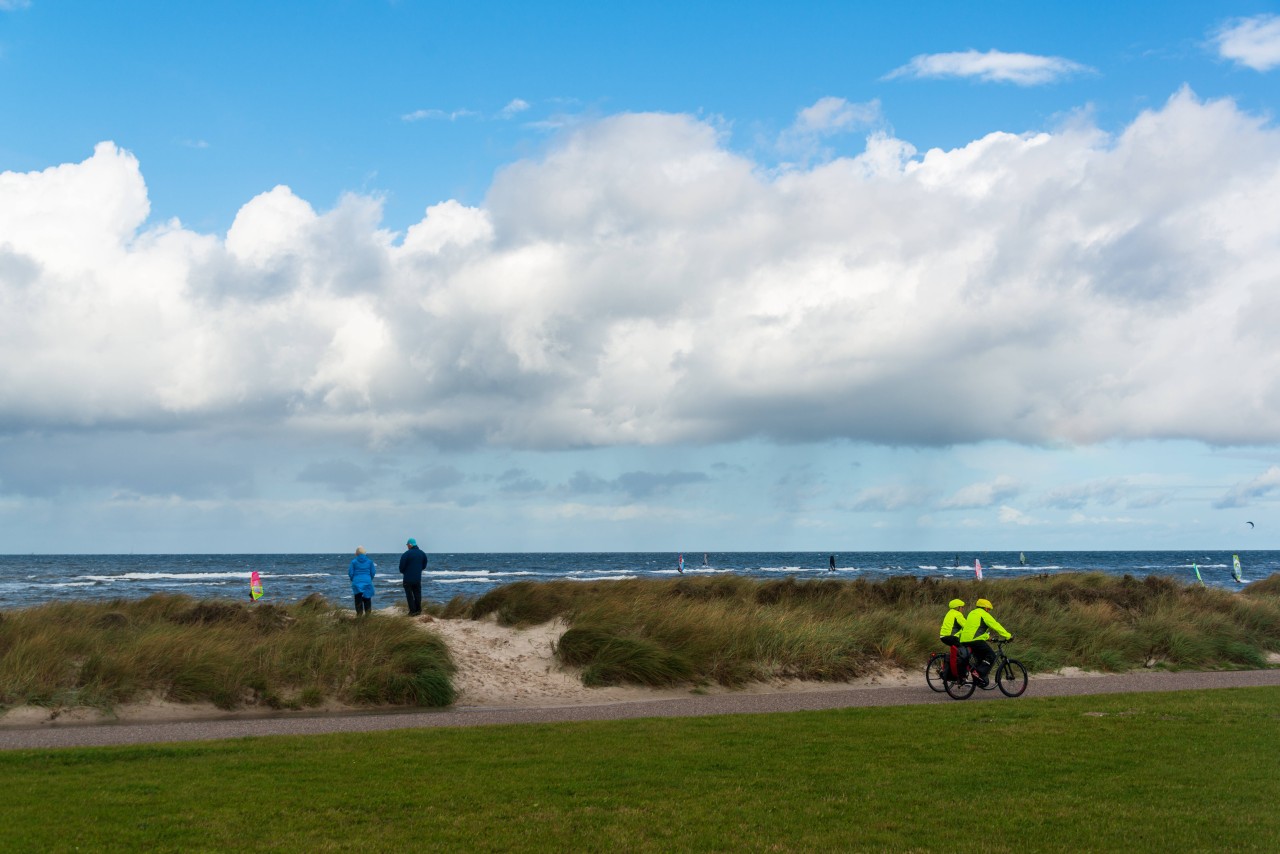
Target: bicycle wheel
point(935, 671)
point(1012, 678)
point(959, 690)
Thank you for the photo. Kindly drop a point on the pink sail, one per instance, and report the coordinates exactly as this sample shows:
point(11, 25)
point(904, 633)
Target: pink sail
point(977, 568)
point(255, 585)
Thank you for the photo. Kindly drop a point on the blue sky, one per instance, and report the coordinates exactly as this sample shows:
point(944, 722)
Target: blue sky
point(582, 276)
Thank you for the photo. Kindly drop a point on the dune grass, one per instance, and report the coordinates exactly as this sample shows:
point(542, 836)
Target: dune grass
point(731, 629)
point(1185, 771)
point(231, 654)
point(724, 629)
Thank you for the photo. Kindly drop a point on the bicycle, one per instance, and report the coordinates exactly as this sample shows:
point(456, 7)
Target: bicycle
point(1007, 674)
point(935, 670)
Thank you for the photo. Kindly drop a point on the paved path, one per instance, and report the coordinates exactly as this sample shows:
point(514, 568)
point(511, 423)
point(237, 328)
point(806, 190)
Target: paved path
point(87, 735)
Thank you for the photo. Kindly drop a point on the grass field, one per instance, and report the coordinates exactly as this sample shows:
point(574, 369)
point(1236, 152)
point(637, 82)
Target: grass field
point(1190, 771)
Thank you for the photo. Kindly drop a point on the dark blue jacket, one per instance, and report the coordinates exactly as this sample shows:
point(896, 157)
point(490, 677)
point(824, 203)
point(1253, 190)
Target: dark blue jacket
point(412, 563)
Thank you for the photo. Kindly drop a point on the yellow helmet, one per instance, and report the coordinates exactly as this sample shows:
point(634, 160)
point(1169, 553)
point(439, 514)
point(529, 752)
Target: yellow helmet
point(984, 603)
point(956, 603)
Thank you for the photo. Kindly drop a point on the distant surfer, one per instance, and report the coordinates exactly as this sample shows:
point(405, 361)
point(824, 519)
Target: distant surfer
point(704, 559)
point(831, 564)
point(680, 563)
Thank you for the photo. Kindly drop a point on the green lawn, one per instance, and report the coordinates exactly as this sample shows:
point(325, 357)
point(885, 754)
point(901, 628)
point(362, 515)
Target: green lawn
point(1187, 771)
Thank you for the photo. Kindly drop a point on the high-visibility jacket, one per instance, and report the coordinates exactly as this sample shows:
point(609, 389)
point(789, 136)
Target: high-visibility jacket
point(952, 624)
point(978, 626)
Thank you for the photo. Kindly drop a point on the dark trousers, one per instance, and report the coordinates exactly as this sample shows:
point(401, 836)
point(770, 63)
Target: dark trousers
point(985, 656)
point(364, 604)
point(413, 593)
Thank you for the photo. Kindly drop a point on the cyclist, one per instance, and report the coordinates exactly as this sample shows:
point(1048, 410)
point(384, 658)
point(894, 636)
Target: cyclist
point(953, 623)
point(977, 629)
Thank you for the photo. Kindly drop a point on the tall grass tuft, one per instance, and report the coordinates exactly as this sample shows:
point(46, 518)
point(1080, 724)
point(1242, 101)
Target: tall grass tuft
point(732, 629)
point(231, 654)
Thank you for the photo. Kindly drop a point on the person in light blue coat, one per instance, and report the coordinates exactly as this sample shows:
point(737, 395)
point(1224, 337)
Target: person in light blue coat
point(361, 573)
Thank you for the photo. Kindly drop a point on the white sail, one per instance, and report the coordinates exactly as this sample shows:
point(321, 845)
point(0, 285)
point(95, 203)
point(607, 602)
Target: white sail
point(977, 568)
point(1236, 570)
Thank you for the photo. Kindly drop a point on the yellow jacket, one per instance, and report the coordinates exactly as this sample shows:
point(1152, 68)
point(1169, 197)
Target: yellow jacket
point(978, 623)
point(952, 624)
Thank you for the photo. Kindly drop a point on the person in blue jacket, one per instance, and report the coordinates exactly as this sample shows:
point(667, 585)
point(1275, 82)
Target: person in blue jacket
point(412, 563)
point(361, 573)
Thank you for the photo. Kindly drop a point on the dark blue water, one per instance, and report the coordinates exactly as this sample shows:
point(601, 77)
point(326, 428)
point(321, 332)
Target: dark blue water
point(28, 580)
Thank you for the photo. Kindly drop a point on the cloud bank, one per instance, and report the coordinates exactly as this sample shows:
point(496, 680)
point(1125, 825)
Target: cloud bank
point(994, 66)
point(641, 284)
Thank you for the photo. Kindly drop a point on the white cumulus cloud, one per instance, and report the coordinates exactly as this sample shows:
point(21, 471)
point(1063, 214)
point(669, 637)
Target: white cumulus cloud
point(1251, 42)
point(641, 283)
point(993, 66)
point(824, 118)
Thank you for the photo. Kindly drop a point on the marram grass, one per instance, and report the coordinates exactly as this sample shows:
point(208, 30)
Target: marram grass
point(728, 630)
point(732, 629)
point(231, 654)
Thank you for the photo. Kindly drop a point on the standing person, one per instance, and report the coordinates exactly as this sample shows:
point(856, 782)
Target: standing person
point(977, 630)
point(831, 564)
point(361, 573)
point(412, 562)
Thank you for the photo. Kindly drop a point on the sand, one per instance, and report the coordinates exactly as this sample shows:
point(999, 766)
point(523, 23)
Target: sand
point(505, 667)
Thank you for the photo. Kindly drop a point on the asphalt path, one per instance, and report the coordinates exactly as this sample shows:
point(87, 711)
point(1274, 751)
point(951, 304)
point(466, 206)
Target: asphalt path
point(52, 735)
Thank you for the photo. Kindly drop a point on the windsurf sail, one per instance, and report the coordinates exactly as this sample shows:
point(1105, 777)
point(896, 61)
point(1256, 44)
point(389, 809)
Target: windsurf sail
point(977, 568)
point(1196, 567)
point(1236, 571)
point(255, 585)
point(1022, 558)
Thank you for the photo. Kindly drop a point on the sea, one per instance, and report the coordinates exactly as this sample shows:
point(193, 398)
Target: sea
point(34, 579)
